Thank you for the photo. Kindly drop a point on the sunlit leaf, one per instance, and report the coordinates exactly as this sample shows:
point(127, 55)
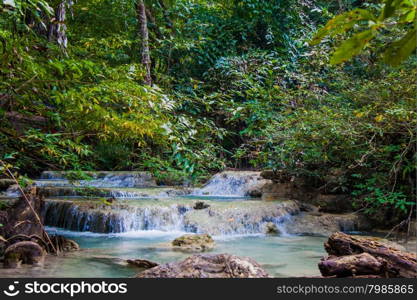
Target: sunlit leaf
point(401, 49)
point(351, 47)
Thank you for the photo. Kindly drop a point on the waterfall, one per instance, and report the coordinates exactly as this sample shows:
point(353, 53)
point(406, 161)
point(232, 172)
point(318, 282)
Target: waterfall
point(231, 218)
point(232, 183)
point(100, 179)
point(76, 191)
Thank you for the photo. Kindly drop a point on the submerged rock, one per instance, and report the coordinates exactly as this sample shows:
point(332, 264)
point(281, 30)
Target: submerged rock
point(208, 266)
point(200, 205)
point(23, 253)
point(193, 243)
point(142, 263)
point(271, 228)
point(63, 244)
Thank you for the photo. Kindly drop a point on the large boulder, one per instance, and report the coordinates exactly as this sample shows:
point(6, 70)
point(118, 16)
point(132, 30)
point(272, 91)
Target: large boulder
point(352, 265)
point(352, 255)
point(208, 266)
point(23, 253)
point(193, 243)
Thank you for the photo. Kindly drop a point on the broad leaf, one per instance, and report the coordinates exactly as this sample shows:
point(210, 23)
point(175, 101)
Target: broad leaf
point(401, 49)
point(351, 47)
point(342, 23)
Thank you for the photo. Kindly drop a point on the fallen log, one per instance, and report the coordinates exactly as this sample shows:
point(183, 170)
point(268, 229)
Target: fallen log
point(398, 263)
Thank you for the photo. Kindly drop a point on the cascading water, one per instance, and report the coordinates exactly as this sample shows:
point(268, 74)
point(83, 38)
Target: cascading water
point(100, 179)
point(232, 183)
point(142, 221)
point(222, 218)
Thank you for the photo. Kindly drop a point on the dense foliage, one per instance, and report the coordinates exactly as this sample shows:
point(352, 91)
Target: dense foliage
point(235, 84)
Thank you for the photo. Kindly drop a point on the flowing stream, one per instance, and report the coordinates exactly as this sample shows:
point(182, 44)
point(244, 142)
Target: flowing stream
point(142, 219)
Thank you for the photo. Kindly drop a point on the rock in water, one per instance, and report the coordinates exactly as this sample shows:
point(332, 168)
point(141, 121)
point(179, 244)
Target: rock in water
point(208, 266)
point(142, 263)
point(200, 205)
point(193, 243)
point(23, 252)
point(396, 263)
point(271, 228)
point(63, 244)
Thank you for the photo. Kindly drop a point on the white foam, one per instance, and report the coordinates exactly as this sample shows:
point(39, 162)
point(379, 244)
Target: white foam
point(128, 234)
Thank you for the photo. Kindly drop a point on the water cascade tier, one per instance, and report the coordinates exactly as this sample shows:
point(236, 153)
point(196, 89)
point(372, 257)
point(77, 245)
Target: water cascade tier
point(101, 184)
point(99, 179)
point(221, 218)
point(232, 183)
point(117, 202)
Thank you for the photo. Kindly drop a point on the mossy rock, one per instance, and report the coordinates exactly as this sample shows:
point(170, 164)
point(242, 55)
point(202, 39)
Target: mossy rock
point(193, 243)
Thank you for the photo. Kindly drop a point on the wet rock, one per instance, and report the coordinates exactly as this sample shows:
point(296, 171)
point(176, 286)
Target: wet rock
point(255, 192)
point(23, 253)
point(193, 243)
point(142, 263)
point(63, 244)
point(208, 266)
point(200, 205)
point(271, 228)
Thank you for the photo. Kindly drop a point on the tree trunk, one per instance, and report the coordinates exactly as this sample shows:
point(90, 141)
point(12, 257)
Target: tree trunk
point(58, 28)
point(144, 34)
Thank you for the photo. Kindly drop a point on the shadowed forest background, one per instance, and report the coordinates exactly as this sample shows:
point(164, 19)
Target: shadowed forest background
point(187, 88)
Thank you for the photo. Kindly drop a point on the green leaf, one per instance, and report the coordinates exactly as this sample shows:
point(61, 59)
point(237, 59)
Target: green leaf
point(342, 23)
point(351, 47)
point(399, 50)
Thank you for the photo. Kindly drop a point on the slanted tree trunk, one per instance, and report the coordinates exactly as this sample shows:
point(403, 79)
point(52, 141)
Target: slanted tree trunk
point(144, 34)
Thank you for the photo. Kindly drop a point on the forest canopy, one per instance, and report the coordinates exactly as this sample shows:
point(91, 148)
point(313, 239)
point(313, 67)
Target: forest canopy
point(321, 90)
